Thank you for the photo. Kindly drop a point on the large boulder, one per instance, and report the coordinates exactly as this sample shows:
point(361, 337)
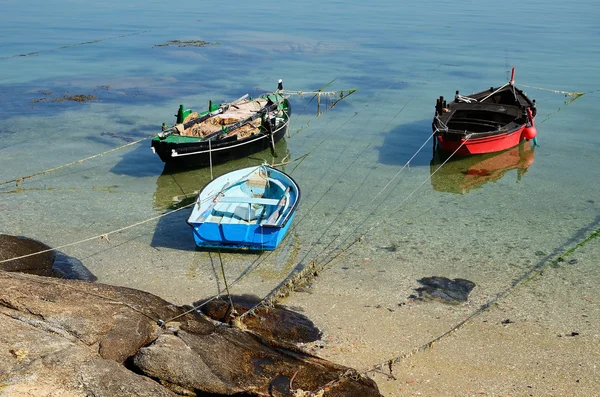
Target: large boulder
point(76, 338)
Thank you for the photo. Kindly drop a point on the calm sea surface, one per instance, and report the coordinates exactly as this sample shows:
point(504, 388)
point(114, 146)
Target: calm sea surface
point(492, 223)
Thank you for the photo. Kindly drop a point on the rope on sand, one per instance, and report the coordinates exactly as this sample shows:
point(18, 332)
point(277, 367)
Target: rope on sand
point(379, 368)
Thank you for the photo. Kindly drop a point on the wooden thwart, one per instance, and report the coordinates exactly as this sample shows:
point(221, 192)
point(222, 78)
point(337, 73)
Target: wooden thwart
point(272, 221)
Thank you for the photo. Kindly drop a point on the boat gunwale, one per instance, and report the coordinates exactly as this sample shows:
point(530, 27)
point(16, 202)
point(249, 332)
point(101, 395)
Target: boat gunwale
point(279, 225)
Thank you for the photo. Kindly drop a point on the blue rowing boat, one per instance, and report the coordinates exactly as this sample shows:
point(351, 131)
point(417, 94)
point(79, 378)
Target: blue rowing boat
point(250, 209)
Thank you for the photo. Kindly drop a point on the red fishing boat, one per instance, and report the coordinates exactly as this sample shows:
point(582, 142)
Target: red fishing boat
point(485, 122)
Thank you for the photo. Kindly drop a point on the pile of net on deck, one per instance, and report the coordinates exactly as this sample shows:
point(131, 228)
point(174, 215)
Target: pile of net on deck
point(235, 113)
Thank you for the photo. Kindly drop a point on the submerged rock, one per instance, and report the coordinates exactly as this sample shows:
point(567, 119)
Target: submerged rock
point(274, 322)
point(445, 289)
point(16, 246)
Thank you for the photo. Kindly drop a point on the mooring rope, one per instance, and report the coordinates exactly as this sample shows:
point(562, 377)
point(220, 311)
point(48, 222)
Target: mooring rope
point(292, 278)
point(310, 271)
point(526, 278)
point(103, 236)
point(405, 199)
point(566, 93)
point(364, 180)
point(75, 45)
point(20, 179)
point(373, 211)
point(264, 257)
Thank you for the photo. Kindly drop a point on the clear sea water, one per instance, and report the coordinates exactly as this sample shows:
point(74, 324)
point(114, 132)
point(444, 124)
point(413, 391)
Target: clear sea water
point(401, 56)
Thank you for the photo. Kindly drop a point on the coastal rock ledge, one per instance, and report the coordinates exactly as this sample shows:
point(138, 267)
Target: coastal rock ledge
point(75, 338)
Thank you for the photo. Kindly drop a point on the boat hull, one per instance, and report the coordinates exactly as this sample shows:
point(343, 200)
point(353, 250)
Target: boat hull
point(488, 144)
point(198, 154)
point(239, 237)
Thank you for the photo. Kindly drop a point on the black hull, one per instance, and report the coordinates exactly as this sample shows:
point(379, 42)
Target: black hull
point(199, 154)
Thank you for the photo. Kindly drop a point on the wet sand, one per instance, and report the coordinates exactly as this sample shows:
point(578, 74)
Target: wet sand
point(540, 339)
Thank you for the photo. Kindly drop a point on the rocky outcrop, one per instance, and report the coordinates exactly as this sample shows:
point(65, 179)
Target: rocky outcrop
point(76, 338)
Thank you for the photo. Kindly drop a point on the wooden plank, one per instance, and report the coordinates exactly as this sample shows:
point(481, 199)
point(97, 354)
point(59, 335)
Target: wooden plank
point(272, 221)
point(250, 200)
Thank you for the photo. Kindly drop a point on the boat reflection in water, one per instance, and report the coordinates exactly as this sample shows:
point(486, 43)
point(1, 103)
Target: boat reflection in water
point(177, 187)
point(462, 174)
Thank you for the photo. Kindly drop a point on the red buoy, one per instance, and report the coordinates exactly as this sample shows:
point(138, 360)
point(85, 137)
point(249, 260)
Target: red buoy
point(530, 131)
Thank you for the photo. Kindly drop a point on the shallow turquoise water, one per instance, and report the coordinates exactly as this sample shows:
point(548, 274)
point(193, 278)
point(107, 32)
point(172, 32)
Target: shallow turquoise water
point(400, 56)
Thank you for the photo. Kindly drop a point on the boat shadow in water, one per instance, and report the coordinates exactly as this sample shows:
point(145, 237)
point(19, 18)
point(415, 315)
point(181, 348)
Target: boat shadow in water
point(178, 187)
point(403, 141)
point(462, 174)
point(139, 162)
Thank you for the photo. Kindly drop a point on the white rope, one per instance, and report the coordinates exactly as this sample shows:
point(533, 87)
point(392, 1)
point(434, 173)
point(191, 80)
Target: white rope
point(402, 202)
point(401, 169)
point(569, 93)
point(432, 174)
point(104, 236)
point(17, 180)
point(442, 124)
point(98, 237)
point(291, 279)
point(465, 99)
point(483, 100)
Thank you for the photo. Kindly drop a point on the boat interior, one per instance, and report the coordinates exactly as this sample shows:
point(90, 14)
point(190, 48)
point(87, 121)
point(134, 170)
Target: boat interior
point(482, 117)
point(233, 114)
point(252, 201)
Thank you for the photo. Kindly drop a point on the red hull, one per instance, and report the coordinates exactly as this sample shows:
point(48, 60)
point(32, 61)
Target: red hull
point(488, 144)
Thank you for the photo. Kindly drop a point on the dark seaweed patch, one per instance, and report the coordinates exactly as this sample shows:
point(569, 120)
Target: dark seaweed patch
point(444, 289)
point(186, 43)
